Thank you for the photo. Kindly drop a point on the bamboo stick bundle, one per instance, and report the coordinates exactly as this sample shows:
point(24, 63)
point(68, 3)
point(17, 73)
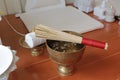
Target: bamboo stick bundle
point(53, 34)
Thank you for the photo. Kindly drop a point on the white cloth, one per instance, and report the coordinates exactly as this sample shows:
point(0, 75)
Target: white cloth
point(11, 68)
point(32, 40)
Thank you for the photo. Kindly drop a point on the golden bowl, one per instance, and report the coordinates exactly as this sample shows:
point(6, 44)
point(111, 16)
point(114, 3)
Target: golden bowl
point(65, 54)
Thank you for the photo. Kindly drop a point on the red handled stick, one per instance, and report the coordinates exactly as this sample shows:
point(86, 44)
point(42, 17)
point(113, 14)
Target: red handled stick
point(49, 33)
point(94, 43)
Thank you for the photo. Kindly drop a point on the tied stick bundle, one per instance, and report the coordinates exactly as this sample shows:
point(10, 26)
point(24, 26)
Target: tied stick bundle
point(52, 34)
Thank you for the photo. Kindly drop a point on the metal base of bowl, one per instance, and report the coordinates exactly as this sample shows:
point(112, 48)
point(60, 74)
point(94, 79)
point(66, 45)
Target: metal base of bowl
point(65, 70)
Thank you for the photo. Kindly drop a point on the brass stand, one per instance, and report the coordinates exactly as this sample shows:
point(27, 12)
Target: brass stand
point(36, 51)
point(65, 70)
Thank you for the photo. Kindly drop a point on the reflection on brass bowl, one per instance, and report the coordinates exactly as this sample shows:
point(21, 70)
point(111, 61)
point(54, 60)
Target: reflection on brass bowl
point(23, 43)
point(65, 54)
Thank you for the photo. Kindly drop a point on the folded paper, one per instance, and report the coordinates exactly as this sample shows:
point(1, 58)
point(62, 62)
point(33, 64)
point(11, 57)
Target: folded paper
point(32, 40)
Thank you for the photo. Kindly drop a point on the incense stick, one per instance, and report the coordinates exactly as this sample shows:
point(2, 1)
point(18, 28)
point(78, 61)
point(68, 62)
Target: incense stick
point(53, 34)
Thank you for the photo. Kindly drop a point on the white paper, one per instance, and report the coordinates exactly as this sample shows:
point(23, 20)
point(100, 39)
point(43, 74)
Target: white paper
point(32, 40)
point(67, 18)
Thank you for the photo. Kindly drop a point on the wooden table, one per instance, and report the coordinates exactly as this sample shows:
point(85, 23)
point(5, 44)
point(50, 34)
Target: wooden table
point(96, 64)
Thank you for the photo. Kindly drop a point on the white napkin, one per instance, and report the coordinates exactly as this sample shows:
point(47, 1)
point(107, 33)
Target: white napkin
point(32, 40)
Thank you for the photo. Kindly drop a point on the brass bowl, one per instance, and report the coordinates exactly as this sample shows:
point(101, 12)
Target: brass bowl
point(65, 54)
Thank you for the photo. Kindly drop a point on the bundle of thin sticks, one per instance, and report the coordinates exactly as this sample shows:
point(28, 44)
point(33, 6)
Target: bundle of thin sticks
point(53, 34)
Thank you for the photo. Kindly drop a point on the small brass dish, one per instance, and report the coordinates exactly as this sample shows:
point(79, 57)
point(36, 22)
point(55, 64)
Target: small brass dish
point(23, 43)
point(36, 51)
